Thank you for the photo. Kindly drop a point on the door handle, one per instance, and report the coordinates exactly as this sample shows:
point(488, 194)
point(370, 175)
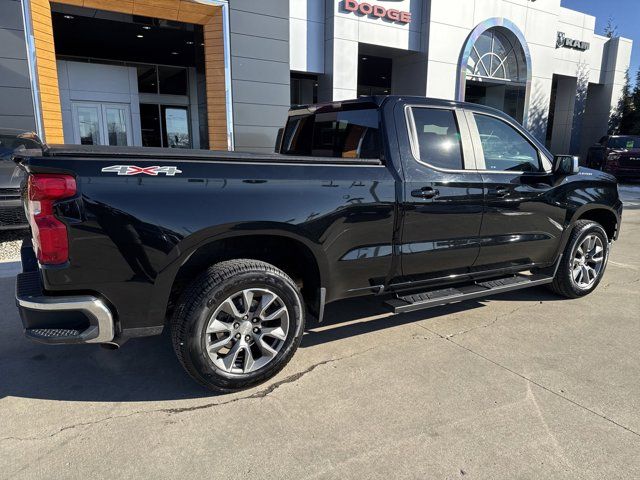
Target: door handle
point(425, 192)
point(499, 192)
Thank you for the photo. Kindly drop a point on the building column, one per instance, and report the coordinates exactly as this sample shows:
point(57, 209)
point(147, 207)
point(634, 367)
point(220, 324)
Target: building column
point(579, 109)
point(538, 112)
point(340, 78)
point(563, 115)
point(260, 72)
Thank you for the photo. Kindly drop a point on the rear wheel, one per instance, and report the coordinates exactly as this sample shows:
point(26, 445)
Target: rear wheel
point(583, 262)
point(238, 324)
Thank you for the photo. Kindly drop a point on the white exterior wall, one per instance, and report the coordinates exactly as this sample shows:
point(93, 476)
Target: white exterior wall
point(344, 31)
point(306, 35)
point(426, 53)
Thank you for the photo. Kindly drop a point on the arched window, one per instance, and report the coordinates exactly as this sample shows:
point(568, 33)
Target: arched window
point(497, 55)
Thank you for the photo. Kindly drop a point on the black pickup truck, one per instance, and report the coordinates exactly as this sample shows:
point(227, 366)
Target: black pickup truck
point(421, 202)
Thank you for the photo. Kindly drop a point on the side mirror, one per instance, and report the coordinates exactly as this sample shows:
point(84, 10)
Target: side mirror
point(566, 165)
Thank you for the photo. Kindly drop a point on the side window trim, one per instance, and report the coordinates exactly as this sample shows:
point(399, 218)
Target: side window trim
point(469, 162)
point(477, 142)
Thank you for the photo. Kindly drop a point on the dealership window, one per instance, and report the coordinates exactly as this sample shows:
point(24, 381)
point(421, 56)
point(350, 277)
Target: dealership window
point(374, 75)
point(304, 89)
point(504, 148)
point(437, 138)
point(343, 134)
point(496, 72)
point(164, 80)
point(165, 126)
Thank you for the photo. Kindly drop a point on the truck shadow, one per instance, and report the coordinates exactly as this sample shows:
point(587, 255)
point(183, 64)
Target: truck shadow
point(147, 369)
point(349, 318)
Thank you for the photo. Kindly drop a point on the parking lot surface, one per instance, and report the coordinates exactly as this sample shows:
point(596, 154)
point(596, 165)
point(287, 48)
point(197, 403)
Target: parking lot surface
point(523, 385)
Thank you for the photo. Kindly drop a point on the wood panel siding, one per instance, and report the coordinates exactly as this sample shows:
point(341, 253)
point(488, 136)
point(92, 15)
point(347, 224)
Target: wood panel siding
point(209, 16)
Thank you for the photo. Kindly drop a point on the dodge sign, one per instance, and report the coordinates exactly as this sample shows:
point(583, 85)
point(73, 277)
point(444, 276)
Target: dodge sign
point(377, 11)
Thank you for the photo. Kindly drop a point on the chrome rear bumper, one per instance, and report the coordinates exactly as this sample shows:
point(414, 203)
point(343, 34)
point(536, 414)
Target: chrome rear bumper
point(62, 320)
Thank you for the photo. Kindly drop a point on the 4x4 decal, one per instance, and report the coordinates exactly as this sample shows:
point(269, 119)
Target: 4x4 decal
point(134, 170)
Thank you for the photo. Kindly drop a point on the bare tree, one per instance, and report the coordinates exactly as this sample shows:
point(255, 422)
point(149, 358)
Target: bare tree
point(622, 117)
point(611, 29)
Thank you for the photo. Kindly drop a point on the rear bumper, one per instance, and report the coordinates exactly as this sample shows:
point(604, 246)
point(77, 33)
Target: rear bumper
point(61, 319)
point(12, 215)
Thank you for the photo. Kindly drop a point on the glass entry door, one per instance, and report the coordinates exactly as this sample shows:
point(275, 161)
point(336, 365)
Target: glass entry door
point(101, 124)
point(165, 126)
point(175, 130)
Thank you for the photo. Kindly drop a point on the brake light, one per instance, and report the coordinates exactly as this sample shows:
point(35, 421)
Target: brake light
point(49, 234)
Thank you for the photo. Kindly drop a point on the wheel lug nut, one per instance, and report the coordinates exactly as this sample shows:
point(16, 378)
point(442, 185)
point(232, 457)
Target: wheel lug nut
point(246, 317)
point(236, 325)
point(255, 320)
point(256, 330)
point(247, 338)
point(238, 335)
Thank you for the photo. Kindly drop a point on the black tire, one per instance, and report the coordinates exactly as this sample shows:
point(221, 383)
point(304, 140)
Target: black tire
point(564, 283)
point(201, 299)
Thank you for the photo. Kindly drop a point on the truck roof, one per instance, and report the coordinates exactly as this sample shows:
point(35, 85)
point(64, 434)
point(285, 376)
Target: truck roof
point(377, 101)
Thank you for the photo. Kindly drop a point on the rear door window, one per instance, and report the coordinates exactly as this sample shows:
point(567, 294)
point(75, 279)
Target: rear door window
point(339, 134)
point(437, 138)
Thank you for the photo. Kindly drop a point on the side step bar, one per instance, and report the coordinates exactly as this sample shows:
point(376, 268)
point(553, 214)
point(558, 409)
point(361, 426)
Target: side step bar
point(444, 296)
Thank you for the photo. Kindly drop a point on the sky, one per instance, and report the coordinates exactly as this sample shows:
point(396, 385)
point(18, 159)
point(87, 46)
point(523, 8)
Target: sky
point(626, 16)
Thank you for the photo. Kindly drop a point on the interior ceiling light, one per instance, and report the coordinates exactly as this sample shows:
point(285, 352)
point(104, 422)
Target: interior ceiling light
point(175, 53)
point(147, 27)
point(189, 42)
point(364, 58)
point(140, 36)
point(69, 17)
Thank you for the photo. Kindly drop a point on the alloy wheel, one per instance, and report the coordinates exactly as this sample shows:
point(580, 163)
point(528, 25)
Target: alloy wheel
point(588, 261)
point(247, 330)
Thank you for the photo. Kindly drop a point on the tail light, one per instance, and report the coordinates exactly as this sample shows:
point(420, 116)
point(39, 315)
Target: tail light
point(49, 234)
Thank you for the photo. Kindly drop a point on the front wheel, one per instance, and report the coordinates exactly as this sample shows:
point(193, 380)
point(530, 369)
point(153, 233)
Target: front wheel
point(583, 262)
point(238, 324)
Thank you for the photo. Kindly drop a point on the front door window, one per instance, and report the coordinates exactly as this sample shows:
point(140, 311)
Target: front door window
point(504, 148)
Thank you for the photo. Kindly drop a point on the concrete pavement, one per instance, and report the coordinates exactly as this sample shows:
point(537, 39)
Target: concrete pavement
point(524, 385)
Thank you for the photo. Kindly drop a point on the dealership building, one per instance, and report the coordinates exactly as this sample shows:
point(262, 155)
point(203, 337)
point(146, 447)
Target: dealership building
point(222, 73)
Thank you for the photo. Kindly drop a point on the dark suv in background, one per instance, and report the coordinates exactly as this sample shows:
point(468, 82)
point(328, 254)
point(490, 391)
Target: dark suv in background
point(618, 155)
point(11, 209)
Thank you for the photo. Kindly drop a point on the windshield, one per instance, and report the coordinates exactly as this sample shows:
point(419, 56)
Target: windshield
point(624, 142)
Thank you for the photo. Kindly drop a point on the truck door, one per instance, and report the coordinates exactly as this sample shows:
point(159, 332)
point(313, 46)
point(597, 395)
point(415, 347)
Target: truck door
point(521, 223)
point(443, 193)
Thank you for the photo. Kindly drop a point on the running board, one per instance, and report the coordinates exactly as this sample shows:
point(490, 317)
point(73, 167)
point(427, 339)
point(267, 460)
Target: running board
point(444, 296)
